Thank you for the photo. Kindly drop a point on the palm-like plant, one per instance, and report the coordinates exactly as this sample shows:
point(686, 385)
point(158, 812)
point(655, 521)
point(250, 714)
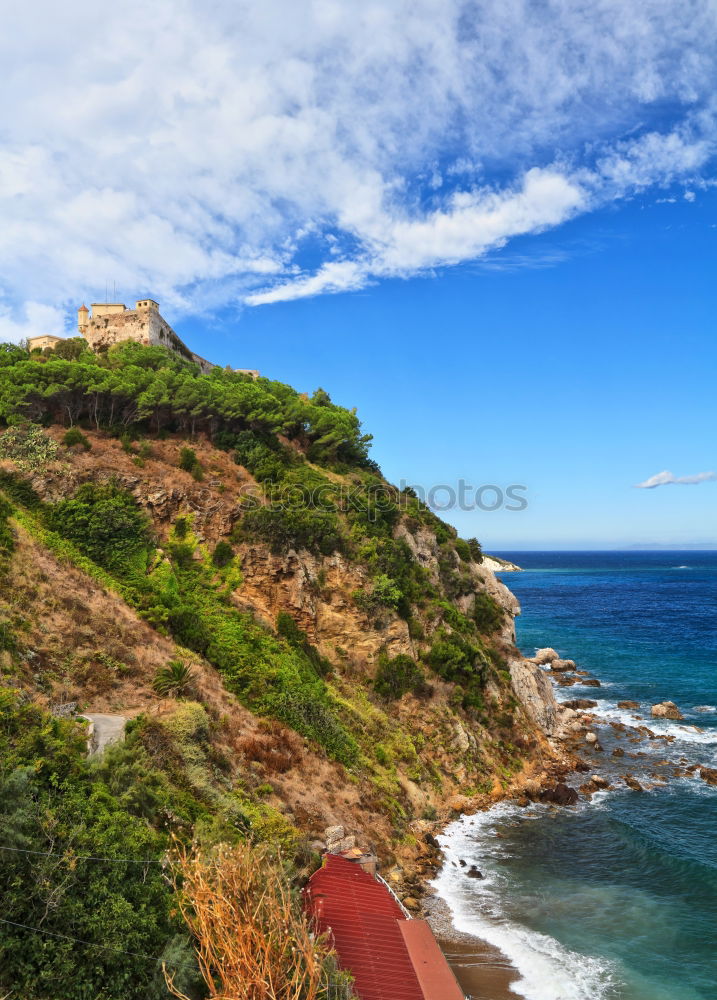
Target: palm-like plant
point(174, 680)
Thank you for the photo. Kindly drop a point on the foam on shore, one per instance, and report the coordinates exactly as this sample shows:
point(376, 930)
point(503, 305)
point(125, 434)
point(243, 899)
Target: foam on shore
point(546, 969)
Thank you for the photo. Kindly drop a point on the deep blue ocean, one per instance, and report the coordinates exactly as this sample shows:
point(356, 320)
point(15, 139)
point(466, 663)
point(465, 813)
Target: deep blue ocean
point(615, 898)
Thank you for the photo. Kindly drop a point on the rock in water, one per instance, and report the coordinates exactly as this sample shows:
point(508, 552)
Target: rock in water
point(633, 783)
point(592, 682)
point(474, 873)
point(709, 774)
point(666, 710)
point(562, 666)
point(560, 794)
point(580, 703)
point(544, 656)
point(628, 704)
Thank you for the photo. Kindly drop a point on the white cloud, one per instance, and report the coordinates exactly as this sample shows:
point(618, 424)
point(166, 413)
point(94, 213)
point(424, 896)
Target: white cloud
point(667, 478)
point(34, 319)
point(192, 151)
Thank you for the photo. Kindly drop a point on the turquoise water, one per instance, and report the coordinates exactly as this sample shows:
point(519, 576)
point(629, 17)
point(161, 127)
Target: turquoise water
point(616, 898)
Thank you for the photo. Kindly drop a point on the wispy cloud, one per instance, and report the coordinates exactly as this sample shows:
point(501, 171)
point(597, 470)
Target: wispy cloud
point(667, 478)
point(418, 133)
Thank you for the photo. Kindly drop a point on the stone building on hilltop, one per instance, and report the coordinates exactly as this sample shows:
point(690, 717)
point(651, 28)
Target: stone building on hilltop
point(109, 323)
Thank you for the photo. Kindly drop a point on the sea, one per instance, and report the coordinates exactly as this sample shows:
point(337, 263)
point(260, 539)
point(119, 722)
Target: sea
point(615, 897)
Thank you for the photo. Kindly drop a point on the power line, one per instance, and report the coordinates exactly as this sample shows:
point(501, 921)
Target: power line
point(83, 857)
point(91, 944)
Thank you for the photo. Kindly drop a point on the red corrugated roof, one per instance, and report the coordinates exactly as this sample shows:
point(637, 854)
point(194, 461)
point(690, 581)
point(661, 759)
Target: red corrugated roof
point(366, 923)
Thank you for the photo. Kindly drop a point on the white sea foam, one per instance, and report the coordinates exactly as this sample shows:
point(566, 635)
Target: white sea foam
point(547, 970)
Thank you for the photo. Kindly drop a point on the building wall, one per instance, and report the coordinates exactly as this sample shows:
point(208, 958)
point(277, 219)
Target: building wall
point(40, 343)
point(107, 308)
point(143, 326)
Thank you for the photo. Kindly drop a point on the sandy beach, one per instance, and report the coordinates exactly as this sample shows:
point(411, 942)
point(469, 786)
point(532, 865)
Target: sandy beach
point(482, 970)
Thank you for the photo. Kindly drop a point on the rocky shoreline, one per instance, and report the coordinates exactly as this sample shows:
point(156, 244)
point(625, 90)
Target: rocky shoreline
point(589, 754)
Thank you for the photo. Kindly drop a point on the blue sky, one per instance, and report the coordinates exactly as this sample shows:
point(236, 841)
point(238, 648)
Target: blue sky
point(577, 377)
point(488, 225)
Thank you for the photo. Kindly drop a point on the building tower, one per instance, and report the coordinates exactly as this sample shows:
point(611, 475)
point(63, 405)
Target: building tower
point(83, 319)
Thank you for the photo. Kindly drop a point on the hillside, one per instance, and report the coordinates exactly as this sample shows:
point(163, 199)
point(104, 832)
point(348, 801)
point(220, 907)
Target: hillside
point(295, 643)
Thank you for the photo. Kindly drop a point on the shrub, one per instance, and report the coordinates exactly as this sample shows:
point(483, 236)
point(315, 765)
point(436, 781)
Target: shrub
point(298, 529)
point(287, 628)
point(487, 613)
point(19, 490)
point(7, 539)
point(188, 626)
point(305, 713)
point(174, 680)
point(104, 522)
point(271, 950)
point(475, 550)
point(189, 462)
point(455, 659)
point(463, 549)
point(275, 747)
point(70, 349)
point(222, 555)
point(182, 554)
point(74, 436)
point(181, 527)
point(383, 594)
point(28, 446)
point(395, 677)
point(187, 459)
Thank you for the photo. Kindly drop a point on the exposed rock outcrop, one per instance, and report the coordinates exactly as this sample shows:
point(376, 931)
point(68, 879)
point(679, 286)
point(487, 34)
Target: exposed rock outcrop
point(535, 693)
point(497, 565)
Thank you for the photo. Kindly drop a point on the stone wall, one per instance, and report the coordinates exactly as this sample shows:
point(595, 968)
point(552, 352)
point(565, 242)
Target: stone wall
point(144, 326)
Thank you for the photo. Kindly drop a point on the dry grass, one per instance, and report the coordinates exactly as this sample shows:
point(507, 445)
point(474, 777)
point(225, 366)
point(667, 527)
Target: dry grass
point(275, 747)
point(253, 942)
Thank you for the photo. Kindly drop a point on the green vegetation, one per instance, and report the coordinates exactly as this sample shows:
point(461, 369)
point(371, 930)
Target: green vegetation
point(384, 593)
point(151, 388)
point(174, 680)
point(487, 614)
point(74, 436)
point(222, 555)
point(27, 445)
point(282, 530)
point(287, 628)
point(396, 677)
point(466, 664)
point(55, 803)
point(7, 542)
point(105, 525)
point(190, 463)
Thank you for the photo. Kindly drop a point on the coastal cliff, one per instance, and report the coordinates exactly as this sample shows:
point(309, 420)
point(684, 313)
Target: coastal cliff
point(284, 667)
